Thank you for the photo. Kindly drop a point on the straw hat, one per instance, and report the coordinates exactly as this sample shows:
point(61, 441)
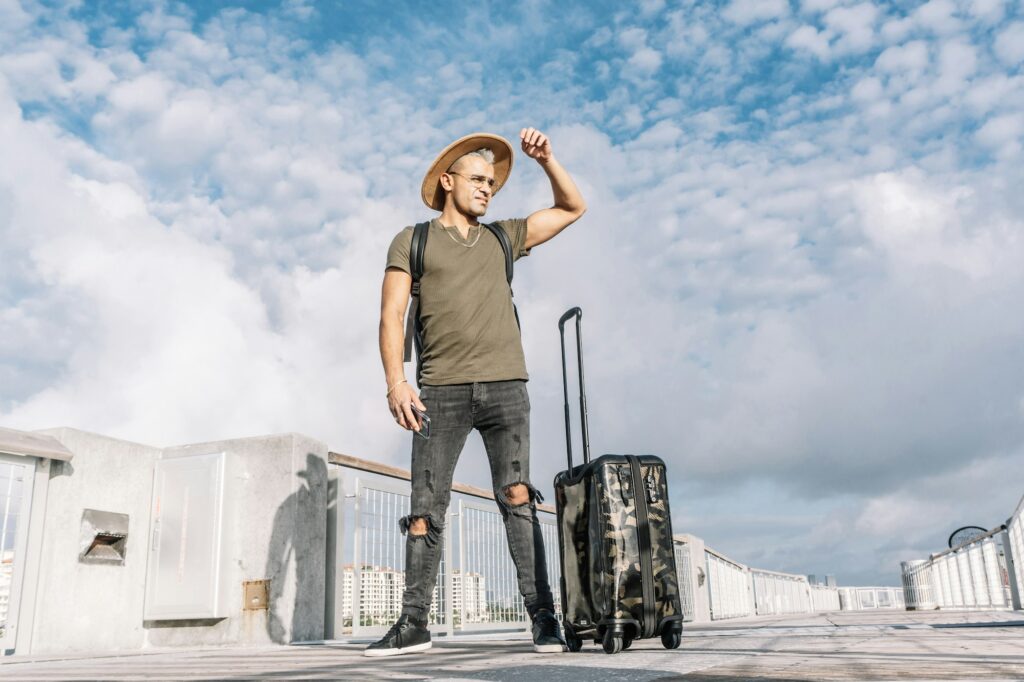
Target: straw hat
point(432, 192)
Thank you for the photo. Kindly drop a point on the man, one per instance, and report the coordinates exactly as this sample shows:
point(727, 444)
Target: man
point(472, 371)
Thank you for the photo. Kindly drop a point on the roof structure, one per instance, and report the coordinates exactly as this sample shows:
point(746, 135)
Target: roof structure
point(16, 442)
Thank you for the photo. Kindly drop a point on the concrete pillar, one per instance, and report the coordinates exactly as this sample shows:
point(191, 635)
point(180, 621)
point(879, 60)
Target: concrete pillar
point(698, 578)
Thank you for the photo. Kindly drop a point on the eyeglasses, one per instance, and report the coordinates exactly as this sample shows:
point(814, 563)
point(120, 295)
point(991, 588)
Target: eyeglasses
point(476, 180)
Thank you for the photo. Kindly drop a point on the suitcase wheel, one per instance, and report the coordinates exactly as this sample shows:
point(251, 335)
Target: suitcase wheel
point(612, 641)
point(627, 641)
point(671, 638)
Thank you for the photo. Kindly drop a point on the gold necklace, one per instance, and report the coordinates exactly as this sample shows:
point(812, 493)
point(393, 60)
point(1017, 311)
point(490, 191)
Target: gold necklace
point(468, 246)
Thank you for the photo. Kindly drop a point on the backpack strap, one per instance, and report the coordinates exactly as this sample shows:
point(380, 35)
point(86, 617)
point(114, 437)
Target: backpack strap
point(506, 247)
point(413, 328)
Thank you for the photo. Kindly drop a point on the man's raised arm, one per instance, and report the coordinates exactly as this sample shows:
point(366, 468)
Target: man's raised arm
point(569, 205)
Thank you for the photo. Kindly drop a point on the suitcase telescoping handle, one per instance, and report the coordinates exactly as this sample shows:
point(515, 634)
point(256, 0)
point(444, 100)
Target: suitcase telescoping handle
point(578, 314)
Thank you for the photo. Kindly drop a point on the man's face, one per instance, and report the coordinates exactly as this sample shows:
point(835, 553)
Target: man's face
point(470, 181)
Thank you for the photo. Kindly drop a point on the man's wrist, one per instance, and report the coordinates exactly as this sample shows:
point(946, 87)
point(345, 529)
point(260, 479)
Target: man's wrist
point(393, 386)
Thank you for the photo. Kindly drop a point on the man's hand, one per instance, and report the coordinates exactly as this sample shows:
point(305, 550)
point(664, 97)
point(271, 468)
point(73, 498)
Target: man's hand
point(544, 224)
point(400, 401)
point(535, 144)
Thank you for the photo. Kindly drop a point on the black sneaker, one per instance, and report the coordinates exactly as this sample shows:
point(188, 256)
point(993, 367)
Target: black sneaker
point(546, 635)
point(404, 637)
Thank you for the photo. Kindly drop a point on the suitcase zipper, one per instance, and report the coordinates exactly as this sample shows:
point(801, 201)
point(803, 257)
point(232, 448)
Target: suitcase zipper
point(643, 529)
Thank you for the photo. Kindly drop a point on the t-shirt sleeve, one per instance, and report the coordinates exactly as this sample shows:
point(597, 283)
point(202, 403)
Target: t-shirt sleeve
point(516, 231)
point(398, 252)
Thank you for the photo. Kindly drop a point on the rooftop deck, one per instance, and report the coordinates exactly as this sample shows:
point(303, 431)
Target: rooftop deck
point(881, 645)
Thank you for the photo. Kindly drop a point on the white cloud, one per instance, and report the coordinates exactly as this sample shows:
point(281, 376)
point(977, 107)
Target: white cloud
point(1009, 43)
point(988, 11)
point(810, 6)
point(912, 56)
point(854, 25)
point(1002, 132)
point(916, 226)
point(744, 12)
point(867, 89)
point(957, 64)
point(810, 39)
point(938, 16)
point(644, 61)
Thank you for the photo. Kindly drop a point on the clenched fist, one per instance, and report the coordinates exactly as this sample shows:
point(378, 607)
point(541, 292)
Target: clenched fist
point(535, 144)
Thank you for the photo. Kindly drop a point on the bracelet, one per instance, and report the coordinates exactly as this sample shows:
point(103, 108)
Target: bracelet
point(388, 394)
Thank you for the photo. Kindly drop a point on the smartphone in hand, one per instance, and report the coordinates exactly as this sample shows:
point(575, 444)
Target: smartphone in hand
point(424, 421)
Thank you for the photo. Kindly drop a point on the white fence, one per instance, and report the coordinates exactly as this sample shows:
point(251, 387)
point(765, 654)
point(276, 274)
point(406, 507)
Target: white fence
point(736, 591)
point(982, 573)
point(869, 598)
point(780, 593)
point(824, 599)
point(476, 586)
point(729, 587)
point(1013, 545)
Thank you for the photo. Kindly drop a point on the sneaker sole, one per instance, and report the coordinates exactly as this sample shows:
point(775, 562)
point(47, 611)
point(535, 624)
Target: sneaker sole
point(397, 652)
point(549, 648)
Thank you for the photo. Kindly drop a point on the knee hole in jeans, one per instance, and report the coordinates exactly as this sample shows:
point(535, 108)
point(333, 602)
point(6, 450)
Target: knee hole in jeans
point(517, 494)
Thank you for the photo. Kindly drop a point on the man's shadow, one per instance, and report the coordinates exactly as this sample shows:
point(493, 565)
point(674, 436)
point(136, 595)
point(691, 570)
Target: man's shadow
point(300, 535)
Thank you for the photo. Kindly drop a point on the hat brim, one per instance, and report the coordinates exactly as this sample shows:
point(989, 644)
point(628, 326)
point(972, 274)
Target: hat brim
point(433, 194)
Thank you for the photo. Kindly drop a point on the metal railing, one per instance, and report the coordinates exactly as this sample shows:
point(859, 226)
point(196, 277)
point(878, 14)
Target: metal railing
point(982, 573)
point(824, 598)
point(729, 586)
point(476, 585)
point(1013, 547)
point(684, 569)
point(868, 598)
point(779, 593)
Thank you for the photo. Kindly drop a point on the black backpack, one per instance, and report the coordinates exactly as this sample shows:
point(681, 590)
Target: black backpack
point(413, 326)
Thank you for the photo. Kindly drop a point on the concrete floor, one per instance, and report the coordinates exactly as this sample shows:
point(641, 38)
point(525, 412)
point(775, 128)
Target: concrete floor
point(882, 645)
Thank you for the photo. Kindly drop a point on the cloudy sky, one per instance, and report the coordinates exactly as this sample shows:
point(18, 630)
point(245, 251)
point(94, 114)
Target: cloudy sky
point(798, 269)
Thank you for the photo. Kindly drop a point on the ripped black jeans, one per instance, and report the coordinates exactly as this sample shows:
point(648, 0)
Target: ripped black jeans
point(500, 411)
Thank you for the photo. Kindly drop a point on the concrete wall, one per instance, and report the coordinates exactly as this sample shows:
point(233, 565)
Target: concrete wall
point(276, 497)
point(276, 529)
point(82, 606)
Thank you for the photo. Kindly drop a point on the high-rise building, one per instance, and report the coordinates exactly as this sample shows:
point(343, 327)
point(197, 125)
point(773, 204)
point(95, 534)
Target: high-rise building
point(470, 590)
point(380, 595)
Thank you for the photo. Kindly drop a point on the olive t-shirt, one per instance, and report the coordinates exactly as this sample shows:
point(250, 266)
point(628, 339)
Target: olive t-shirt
point(469, 326)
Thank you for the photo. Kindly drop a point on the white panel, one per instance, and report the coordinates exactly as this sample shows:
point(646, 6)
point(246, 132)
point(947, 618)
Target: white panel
point(956, 595)
point(979, 581)
point(185, 556)
point(966, 585)
point(16, 478)
point(1016, 534)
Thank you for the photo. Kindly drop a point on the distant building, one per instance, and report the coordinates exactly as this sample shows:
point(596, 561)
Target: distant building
point(470, 591)
point(380, 595)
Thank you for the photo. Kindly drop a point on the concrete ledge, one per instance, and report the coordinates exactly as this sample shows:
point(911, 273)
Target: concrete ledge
point(29, 444)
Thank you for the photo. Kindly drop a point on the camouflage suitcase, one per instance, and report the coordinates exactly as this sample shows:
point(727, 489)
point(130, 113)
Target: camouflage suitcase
point(615, 541)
